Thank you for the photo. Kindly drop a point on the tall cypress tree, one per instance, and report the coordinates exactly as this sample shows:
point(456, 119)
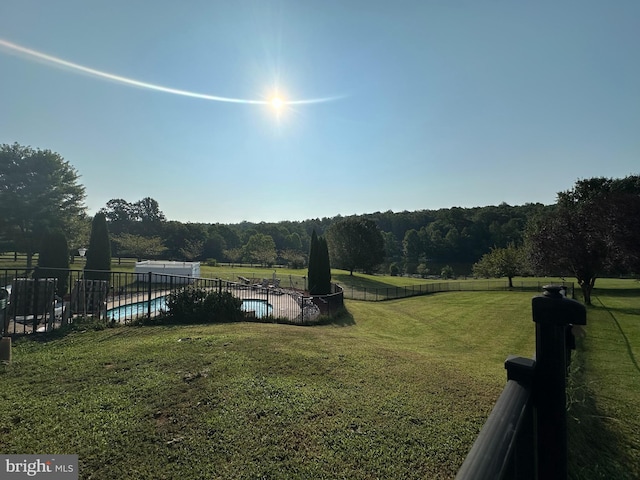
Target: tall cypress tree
point(319, 266)
point(312, 272)
point(53, 260)
point(99, 251)
point(324, 267)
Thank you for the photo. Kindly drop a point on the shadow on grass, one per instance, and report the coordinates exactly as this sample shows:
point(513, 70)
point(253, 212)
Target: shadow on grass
point(631, 311)
point(617, 292)
point(341, 318)
point(347, 281)
point(79, 325)
point(626, 311)
point(597, 448)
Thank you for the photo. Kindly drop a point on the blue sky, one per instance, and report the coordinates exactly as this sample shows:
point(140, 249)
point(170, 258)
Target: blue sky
point(433, 104)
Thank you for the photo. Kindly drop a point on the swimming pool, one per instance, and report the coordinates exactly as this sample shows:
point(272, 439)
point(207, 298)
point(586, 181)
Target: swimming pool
point(133, 310)
point(261, 307)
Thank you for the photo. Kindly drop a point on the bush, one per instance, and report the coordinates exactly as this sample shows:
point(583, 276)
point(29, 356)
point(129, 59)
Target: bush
point(53, 261)
point(394, 270)
point(447, 272)
point(423, 270)
point(222, 307)
point(410, 268)
point(211, 262)
point(186, 305)
point(196, 305)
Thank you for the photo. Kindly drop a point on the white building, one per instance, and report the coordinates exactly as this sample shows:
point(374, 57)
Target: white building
point(159, 269)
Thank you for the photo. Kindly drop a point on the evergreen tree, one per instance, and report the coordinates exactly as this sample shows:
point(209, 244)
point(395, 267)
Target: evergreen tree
point(312, 269)
point(99, 251)
point(53, 261)
point(319, 272)
point(324, 267)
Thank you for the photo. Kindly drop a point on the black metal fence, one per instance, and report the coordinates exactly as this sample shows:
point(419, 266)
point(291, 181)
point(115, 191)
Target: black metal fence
point(379, 294)
point(124, 296)
point(391, 293)
point(525, 436)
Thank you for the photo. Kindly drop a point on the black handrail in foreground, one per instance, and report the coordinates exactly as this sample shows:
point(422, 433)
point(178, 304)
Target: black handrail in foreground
point(525, 436)
point(505, 444)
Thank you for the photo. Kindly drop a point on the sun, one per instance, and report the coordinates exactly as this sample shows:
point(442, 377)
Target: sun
point(277, 103)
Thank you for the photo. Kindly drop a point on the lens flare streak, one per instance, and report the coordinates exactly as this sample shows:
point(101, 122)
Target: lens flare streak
point(33, 54)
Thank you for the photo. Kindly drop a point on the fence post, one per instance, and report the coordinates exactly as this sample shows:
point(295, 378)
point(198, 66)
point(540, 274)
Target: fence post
point(553, 314)
point(149, 295)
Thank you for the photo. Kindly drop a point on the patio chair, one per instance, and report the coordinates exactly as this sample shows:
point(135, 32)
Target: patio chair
point(89, 297)
point(4, 315)
point(33, 300)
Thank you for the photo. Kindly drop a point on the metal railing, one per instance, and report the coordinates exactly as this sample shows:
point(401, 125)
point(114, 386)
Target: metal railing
point(124, 296)
point(392, 293)
point(525, 436)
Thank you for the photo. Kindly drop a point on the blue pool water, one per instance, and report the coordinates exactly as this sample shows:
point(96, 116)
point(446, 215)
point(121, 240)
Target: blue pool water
point(261, 307)
point(133, 310)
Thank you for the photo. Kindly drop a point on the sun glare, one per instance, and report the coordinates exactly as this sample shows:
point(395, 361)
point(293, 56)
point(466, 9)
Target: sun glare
point(277, 103)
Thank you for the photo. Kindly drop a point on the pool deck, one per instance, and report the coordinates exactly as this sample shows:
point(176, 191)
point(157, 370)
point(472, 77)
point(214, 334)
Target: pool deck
point(284, 305)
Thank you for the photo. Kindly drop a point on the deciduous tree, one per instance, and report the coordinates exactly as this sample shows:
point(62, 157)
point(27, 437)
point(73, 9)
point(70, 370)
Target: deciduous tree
point(500, 262)
point(43, 193)
point(139, 246)
point(192, 249)
point(356, 242)
point(594, 229)
point(412, 249)
point(293, 258)
point(141, 217)
point(234, 255)
point(261, 248)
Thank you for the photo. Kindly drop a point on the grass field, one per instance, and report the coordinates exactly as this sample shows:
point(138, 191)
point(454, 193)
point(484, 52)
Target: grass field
point(604, 413)
point(396, 389)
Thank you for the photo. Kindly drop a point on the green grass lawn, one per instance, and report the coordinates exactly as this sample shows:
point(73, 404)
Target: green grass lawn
point(604, 414)
point(401, 393)
point(398, 390)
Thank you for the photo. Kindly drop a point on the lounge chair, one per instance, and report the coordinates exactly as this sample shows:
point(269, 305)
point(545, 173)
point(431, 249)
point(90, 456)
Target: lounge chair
point(33, 301)
point(89, 297)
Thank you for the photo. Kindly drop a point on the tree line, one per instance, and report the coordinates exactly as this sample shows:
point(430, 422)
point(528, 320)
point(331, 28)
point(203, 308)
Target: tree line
point(598, 217)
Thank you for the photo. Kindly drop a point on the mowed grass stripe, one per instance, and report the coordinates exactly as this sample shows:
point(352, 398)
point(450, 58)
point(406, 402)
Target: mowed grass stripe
point(604, 409)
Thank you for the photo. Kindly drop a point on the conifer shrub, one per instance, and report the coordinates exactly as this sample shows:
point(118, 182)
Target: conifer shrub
point(319, 272)
point(98, 266)
point(53, 261)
